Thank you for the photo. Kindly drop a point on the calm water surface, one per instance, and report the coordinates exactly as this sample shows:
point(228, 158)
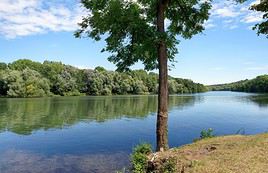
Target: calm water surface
point(96, 134)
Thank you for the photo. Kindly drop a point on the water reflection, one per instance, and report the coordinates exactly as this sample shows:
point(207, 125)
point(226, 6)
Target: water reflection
point(23, 116)
point(261, 100)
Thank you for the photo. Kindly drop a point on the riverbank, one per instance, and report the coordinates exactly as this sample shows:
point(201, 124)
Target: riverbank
point(226, 154)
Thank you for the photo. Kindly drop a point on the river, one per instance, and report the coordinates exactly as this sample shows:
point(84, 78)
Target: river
point(97, 134)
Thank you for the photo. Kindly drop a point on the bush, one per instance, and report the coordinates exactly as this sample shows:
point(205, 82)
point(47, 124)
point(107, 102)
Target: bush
point(207, 134)
point(204, 134)
point(139, 158)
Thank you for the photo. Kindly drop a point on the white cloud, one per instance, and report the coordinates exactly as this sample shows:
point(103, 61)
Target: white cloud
point(255, 2)
point(16, 6)
point(209, 24)
point(29, 17)
point(252, 18)
point(224, 9)
point(231, 15)
point(226, 12)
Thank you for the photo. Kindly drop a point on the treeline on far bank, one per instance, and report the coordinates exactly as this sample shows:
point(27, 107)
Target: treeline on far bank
point(257, 85)
point(26, 78)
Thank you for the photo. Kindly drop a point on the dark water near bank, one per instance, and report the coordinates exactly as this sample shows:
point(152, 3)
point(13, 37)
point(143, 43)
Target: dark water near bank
point(96, 134)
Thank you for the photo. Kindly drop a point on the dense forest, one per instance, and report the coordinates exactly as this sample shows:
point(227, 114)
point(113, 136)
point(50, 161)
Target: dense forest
point(258, 84)
point(26, 78)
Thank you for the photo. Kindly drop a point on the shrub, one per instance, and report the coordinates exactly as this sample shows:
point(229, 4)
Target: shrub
point(139, 158)
point(207, 134)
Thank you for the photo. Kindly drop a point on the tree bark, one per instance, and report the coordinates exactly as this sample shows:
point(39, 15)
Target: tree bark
point(162, 114)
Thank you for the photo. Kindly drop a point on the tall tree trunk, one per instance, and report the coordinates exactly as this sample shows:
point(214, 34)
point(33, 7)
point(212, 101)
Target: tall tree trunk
point(162, 114)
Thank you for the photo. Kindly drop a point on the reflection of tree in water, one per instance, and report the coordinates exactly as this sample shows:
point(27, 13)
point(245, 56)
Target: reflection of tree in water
point(261, 100)
point(183, 101)
point(23, 116)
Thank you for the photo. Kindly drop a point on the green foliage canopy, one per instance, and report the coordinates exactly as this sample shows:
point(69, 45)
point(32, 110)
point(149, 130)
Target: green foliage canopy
point(3, 66)
point(26, 83)
point(262, 6)
point(257, 85)
point(26, 78)
point(130, 30)
point(262, 28)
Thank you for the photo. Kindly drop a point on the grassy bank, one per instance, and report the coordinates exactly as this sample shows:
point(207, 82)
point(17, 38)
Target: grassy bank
point(226, 154)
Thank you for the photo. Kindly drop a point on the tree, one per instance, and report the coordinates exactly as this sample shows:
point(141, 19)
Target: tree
point(262, 6)
point(3, 66)
point(135, 31)
point(256, 85)
point(3, 84)
point(100, 69)
point(173, 86)
point(262, 28)
point(65, 85)
point(26, 83)
point(22, 64)
point(94, 82)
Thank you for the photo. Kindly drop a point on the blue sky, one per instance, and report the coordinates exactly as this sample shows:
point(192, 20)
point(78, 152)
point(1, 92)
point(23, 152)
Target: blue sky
point(228, 50)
